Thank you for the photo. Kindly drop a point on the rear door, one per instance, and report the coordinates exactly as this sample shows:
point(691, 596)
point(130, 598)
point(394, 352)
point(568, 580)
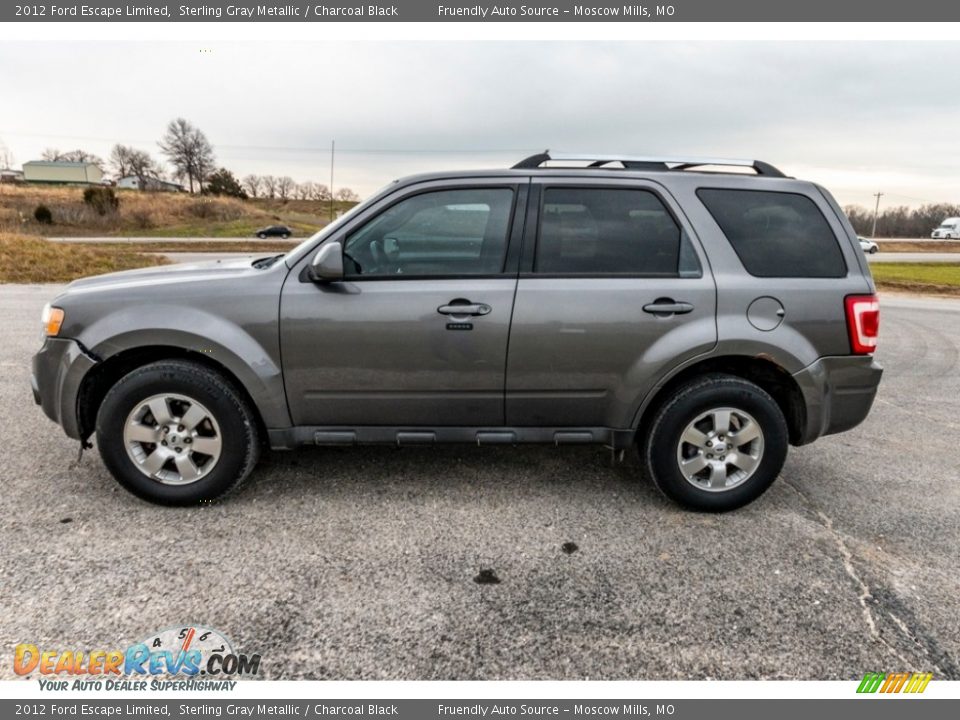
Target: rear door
point(614, 291)
point(416, 333)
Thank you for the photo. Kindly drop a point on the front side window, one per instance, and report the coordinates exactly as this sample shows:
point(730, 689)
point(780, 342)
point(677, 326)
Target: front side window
point(610, 231)
point(776, 234)
point(439, 233)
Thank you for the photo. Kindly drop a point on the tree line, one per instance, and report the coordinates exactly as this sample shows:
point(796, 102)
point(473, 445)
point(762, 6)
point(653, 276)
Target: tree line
point(901, 221)
point(192, 160)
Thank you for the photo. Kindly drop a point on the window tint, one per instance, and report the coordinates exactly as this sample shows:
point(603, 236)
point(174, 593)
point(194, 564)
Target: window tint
point(608, 231)
point(447, 232)
point(776, 234)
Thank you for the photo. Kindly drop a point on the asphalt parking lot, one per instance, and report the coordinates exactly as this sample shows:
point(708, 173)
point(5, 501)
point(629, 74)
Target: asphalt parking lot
point(361, 563)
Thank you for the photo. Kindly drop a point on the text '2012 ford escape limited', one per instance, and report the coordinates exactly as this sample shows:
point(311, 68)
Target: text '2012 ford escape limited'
point(706, 313)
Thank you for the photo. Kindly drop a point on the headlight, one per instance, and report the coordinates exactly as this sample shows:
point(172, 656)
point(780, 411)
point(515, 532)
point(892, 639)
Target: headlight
point(52, 319)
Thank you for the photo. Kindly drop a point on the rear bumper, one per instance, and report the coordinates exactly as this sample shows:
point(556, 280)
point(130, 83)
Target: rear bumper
point(58, 369)
point(838, 393)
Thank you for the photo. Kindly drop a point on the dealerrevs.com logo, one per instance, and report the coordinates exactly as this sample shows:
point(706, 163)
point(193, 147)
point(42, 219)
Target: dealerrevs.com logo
point(172, 659)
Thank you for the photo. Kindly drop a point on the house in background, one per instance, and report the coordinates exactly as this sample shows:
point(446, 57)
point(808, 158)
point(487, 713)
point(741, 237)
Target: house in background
point(153, 184)
point(9, 175)
point(73, 173)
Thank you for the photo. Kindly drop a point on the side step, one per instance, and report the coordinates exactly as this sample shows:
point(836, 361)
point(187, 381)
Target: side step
point(287, 438)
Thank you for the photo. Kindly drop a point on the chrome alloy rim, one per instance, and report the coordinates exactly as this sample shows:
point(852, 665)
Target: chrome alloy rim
point(720, 449)
point(172, 439)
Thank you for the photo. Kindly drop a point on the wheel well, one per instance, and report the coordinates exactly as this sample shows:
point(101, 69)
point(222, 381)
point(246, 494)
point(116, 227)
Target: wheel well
point(768, 375)
point(105, 375)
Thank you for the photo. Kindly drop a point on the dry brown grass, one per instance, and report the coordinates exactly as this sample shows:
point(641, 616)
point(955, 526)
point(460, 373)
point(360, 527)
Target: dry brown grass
point(950, 246)
point(143, 213)
point(26, 259)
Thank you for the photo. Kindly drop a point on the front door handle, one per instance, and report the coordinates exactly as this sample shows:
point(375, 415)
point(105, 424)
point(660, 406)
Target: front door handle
point(464, 307)
point(662, 307)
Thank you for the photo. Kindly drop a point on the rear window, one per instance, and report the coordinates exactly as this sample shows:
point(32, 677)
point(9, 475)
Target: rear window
point(776, 234)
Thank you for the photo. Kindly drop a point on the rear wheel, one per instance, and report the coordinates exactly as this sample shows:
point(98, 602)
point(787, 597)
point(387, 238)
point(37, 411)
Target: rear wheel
point(262, 236)
point(717, 444)
point(177, 433)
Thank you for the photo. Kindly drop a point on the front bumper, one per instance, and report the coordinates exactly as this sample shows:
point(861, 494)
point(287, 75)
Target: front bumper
point(838, 393)
point(58, 369)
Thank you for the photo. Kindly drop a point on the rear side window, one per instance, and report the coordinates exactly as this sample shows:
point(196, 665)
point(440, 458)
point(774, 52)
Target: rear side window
point(609, 231)
point(776, 234)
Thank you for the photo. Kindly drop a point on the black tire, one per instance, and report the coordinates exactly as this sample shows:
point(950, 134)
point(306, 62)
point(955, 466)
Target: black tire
point(236, 420)
point(285, 236)
point(659, 448)
point(873, 250)
point(262, 236)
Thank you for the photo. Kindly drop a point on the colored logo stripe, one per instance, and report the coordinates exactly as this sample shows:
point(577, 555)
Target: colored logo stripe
point(894, 682)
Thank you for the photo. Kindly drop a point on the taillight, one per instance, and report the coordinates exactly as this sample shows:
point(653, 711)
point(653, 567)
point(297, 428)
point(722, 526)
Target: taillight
point(863, 322)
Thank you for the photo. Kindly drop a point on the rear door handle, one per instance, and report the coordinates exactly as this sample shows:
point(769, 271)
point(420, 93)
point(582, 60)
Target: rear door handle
point(464, 309)
point(667, 306)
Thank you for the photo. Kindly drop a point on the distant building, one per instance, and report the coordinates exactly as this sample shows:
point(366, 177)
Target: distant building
point(9, 175)
point(132, 182)
point(75, 173)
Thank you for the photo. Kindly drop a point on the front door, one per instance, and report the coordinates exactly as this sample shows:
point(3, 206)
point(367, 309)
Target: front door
point(416, 333)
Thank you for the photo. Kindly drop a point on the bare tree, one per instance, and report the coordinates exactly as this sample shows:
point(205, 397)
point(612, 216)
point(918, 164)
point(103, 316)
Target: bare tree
point(303, 190)
point(120, 160)
point(77, 156)
point(252, 184)
point(320, 192)
point(127, 161)
point(6, 157)
point(145, 169)
point(285, 187)
point(269, 186)
point(189, 152)
point(347, 195)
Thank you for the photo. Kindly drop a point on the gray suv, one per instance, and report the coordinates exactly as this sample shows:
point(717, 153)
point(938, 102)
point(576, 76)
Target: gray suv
point(707, 312)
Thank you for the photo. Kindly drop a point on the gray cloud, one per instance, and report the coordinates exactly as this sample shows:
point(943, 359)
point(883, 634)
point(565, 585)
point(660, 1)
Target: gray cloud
point(857, 116)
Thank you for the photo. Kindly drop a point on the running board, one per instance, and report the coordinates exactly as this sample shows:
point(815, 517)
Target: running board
point(287, 438)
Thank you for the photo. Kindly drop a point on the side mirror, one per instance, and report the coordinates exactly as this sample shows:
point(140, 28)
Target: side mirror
point(327, 264)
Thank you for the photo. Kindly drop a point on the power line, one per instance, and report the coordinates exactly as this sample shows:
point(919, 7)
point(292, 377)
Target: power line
point(289, 148)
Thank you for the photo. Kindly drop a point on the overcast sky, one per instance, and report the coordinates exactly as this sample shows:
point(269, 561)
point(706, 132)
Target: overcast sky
point(858, 117)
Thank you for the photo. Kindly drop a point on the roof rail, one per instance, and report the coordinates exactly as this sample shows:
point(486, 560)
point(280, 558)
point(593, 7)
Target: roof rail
point(646, 162)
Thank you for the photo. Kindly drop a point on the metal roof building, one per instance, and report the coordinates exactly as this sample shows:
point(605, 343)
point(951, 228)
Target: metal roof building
point(45, 171)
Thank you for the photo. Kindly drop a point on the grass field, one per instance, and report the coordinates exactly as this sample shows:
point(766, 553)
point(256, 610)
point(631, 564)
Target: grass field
point(25, 259)
point(942, 278)
point(156, 214)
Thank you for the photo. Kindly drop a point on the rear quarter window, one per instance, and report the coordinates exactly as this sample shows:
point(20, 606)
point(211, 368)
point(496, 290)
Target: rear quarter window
point(776, 234)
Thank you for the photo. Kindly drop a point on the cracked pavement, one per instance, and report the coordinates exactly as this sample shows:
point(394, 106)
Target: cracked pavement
point(361, 562)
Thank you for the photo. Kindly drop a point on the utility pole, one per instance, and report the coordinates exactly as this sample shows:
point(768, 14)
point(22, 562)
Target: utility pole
point(333, 146)
point(876, 211)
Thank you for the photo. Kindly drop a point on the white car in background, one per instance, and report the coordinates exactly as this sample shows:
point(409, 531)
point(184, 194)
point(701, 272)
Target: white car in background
point(868, 246)
point(949, 230)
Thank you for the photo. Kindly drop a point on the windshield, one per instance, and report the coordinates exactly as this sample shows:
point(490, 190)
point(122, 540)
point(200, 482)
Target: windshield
point(332, 227)
point(948, 224)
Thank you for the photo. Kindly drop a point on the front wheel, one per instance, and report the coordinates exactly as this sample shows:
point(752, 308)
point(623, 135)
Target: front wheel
point(177, 433)
point(717, 444)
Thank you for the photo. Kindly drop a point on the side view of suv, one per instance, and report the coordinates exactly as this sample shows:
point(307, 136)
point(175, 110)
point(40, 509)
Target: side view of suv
point(708, 312)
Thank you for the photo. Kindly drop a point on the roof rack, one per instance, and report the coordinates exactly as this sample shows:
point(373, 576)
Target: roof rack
point(630, 162)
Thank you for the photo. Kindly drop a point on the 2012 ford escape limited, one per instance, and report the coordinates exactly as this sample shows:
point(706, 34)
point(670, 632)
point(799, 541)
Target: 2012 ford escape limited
point(709, 312)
